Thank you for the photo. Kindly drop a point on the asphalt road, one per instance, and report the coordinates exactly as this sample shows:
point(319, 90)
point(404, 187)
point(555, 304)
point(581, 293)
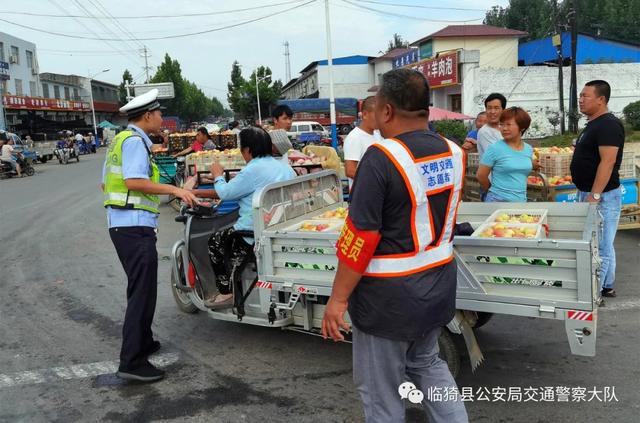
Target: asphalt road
point(63, 300)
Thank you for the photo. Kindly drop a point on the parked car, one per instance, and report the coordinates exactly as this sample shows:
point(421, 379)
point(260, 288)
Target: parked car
point(307, 126)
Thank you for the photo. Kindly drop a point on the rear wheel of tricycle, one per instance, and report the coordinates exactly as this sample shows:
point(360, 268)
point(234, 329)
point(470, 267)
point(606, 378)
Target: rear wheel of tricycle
point(449, 352)
point(182, 299)
point(483, 318)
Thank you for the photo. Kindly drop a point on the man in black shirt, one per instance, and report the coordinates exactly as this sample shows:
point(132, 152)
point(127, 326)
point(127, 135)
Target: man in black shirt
point(595, 171)
point(396, 272)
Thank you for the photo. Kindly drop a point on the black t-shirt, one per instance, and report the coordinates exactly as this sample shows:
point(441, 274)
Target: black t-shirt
point(606, 130)
point(400, 308)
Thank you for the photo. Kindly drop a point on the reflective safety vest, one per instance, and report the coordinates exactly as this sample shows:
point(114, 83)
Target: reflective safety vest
point(116, 193)
point(424, 176)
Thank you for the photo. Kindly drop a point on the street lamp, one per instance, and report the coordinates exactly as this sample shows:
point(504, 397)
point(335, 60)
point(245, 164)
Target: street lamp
point(93, 109)
point(258, 95)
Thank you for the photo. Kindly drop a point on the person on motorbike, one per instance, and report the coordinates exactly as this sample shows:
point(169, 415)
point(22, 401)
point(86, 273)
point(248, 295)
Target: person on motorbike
point(262, 169)
point(6, 154)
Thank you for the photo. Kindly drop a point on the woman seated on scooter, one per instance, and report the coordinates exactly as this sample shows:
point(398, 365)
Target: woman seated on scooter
point(6, 154)
point(262, 169)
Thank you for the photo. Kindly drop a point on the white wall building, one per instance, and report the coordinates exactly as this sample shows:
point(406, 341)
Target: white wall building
point(351, 78)
point(23, 76)
point(535, 89)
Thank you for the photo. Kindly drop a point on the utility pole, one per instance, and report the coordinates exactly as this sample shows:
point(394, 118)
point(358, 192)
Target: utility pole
point(573, 87)
point(332, 98)
point(287, 62)
point(146, 64)
point(557, 41)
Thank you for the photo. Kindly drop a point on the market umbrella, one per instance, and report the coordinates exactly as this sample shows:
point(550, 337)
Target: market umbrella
point(105, 124)
point(436, 113)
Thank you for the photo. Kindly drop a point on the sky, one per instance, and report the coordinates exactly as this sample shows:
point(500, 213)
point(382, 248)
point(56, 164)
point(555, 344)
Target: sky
point(206, 59)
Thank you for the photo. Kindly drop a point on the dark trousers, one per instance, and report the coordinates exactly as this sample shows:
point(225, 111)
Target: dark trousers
point(136, 247)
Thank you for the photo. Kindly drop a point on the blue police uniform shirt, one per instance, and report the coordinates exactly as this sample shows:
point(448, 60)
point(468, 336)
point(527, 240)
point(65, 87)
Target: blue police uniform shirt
point(135, 165)
point(258, 173)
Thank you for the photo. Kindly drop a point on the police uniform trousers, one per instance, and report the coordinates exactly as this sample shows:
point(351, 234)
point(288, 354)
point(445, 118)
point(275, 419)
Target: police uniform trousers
point(136, 247)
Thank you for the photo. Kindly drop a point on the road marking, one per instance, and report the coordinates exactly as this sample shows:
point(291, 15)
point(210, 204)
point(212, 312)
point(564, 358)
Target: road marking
point(76, 371)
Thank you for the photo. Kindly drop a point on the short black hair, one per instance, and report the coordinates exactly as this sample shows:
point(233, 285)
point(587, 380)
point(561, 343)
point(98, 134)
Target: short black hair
point(406, 90)
point(257, 140)
point(603, 89)
point(203, 131)
point(280, 110)
point(234, 124)
point(368, 103)
point(496, 96)
point(3, 136)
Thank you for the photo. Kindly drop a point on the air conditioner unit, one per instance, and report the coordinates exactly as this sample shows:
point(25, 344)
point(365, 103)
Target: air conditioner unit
point(13, 59)
point(34, 71)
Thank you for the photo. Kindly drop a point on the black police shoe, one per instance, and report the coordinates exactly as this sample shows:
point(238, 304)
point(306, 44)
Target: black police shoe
point(153, 348)
point(145, 373)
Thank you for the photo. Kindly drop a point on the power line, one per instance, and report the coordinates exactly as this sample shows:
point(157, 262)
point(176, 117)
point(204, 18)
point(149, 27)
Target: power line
point(160, 38)
point(185, 15)
point(105, 12)
point(102, 24)
point(416, 6)
point(399, 15)
point(90, 30)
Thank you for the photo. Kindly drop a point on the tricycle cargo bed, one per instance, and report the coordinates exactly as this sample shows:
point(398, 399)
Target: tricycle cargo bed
point(553, 277)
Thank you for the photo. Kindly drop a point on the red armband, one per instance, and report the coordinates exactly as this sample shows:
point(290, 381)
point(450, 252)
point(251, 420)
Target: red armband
point(355, 248)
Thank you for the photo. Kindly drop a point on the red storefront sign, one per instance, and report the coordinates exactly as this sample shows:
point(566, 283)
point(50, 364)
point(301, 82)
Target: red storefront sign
point(31, 103)
point(105, 106)
point(440, 71)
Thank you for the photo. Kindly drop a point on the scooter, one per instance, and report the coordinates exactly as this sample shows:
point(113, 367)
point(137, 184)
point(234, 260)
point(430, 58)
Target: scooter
point(192, 274)
point(6, 171)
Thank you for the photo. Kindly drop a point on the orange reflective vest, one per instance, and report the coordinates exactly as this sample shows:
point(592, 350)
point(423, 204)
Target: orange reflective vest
point(423, 177)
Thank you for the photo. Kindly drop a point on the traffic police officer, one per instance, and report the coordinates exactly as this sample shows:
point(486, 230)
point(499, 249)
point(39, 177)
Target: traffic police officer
point(131, 188)
point(396, 273)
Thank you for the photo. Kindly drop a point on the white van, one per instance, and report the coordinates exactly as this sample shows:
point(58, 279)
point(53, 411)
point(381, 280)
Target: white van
point(301, 127)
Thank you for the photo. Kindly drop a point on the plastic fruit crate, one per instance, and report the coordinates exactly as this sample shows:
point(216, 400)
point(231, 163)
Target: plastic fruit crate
point(506, 216)
point(510, 230)
point(473, 161)
point(317, 226)
point(628, 166)
point(555, 164)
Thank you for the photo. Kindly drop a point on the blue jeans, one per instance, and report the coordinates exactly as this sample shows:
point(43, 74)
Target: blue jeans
point(609, 210)
point(492, 198)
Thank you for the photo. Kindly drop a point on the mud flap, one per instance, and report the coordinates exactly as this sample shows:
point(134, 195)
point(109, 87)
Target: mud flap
point(581, 327)
point(461, 324)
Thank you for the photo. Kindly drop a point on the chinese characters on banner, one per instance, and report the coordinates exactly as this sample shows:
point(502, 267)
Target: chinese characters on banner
point(440, 71)
point(31, 103)
point(406, 59)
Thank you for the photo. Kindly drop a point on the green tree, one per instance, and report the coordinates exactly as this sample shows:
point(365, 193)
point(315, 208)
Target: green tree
point(533, 16)
point(614, 19)
point(170, 71)
point(122, 91)
point(190, 102)
point(397, 42)
point(242, 95)
point(235, 95)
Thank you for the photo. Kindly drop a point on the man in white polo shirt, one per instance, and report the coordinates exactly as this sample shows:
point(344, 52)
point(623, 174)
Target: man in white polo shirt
point(360, 138)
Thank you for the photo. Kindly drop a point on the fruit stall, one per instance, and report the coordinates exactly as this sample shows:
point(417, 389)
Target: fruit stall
point(553, 183)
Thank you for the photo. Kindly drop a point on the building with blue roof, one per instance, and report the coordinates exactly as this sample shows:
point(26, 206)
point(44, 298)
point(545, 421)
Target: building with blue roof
point(590, 50)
